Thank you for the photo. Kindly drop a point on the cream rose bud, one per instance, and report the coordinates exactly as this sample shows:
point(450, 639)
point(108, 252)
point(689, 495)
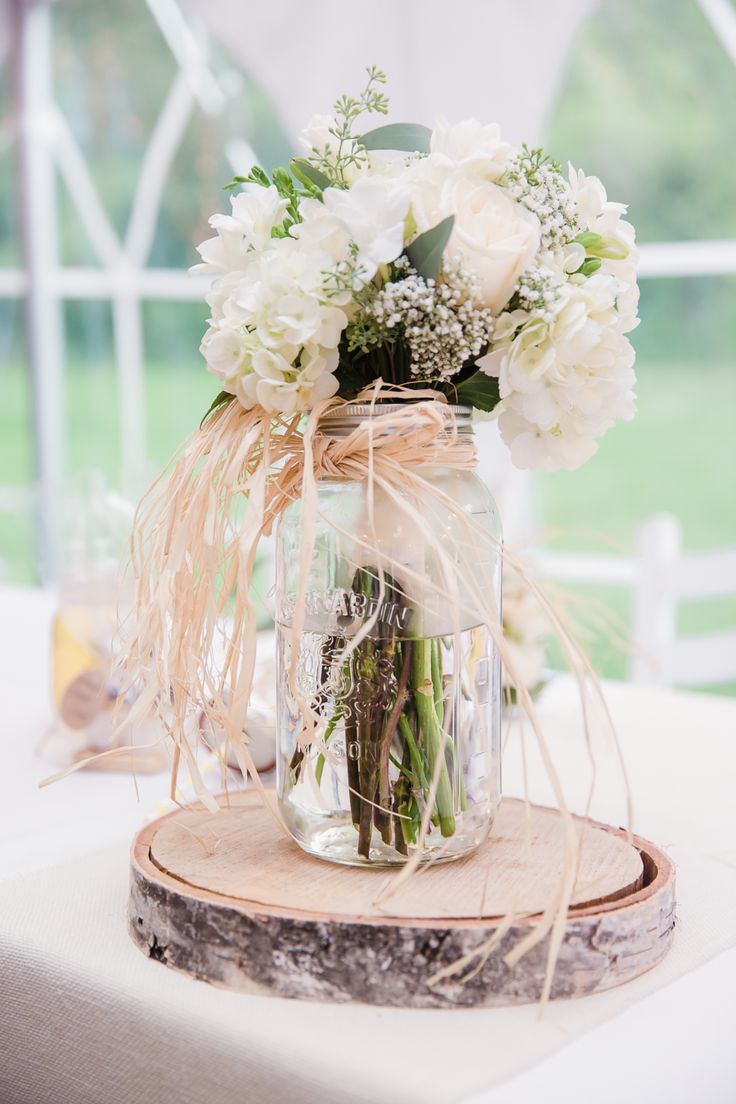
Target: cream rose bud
point(495, 237)
point(470, 145)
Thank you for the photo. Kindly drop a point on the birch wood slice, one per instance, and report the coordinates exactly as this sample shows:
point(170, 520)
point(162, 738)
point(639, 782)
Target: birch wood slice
point(231, 900)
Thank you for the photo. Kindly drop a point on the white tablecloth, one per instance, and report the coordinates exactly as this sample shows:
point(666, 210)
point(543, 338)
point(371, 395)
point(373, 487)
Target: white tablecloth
point(84, 1017)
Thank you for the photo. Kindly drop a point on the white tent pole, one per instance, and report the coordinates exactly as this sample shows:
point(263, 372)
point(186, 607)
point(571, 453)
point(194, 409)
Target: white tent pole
point(127, 318)
point(38, 214)
point(721, 15)
point(101, 233)
point(157, 161)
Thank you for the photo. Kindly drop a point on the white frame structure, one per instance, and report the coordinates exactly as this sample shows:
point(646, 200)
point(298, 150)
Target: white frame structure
point(48, 150)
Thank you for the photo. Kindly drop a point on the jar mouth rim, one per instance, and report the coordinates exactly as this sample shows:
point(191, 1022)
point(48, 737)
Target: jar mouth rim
point(372, 409)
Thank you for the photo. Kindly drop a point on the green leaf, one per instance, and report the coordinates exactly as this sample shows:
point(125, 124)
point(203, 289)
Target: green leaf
point(307, 174)
point(409, 137)
point(222, 399)
point(480, 391)
point(425, 252)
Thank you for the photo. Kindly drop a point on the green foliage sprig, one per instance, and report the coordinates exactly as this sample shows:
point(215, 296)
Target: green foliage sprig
point(334, 163)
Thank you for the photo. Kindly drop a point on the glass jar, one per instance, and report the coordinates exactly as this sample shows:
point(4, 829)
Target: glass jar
point(411, 706)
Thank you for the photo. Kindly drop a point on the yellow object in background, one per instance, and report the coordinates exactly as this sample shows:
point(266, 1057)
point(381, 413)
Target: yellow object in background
point(79, 670)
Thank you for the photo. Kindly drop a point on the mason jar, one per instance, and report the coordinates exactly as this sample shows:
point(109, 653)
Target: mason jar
point(389, 699)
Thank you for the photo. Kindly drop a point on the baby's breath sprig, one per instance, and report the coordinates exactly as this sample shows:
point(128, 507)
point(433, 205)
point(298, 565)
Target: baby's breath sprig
point(540, 292)
point(441, 322)
point(536, 181)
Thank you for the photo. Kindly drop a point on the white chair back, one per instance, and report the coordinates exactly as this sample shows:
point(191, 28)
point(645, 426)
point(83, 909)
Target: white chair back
point(661, 577)
point(667, 577)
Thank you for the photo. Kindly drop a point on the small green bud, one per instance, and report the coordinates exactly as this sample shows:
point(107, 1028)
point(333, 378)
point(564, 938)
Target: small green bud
point(588, 238)
point(589, 266)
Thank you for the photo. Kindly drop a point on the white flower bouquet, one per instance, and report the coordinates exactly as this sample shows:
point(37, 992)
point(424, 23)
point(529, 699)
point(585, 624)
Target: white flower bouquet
point(444, 259)
point(423, 272)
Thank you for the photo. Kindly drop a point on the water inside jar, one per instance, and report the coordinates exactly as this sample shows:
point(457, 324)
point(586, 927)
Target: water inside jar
point(399, 724)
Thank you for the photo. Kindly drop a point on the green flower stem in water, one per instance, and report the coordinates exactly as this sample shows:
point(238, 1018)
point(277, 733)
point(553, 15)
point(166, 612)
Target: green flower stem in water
point(393, 717)
point(320, 765)
point(434, 740)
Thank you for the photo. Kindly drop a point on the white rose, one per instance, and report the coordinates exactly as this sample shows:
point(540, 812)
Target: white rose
point(470, 145)
point(495, 237)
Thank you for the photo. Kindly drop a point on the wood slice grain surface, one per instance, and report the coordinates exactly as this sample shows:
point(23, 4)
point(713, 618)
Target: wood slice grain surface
point(230, 899)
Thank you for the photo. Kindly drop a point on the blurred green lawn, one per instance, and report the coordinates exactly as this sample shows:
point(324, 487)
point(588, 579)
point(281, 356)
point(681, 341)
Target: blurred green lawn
point(677, 455)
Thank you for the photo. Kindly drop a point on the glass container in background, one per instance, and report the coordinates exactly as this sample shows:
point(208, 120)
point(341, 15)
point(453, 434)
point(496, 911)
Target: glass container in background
point(94, 602)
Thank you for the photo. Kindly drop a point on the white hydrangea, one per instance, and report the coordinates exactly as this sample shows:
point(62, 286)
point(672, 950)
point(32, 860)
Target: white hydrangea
point(273, 334)
point(277, 385)
point(563, 383)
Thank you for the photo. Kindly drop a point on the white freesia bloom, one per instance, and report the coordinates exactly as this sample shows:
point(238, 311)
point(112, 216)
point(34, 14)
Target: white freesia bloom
point(255, 212)
point(470, 146)
point(563, 383)
point(619, 254)
point(589, 196)
point(373, 216)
